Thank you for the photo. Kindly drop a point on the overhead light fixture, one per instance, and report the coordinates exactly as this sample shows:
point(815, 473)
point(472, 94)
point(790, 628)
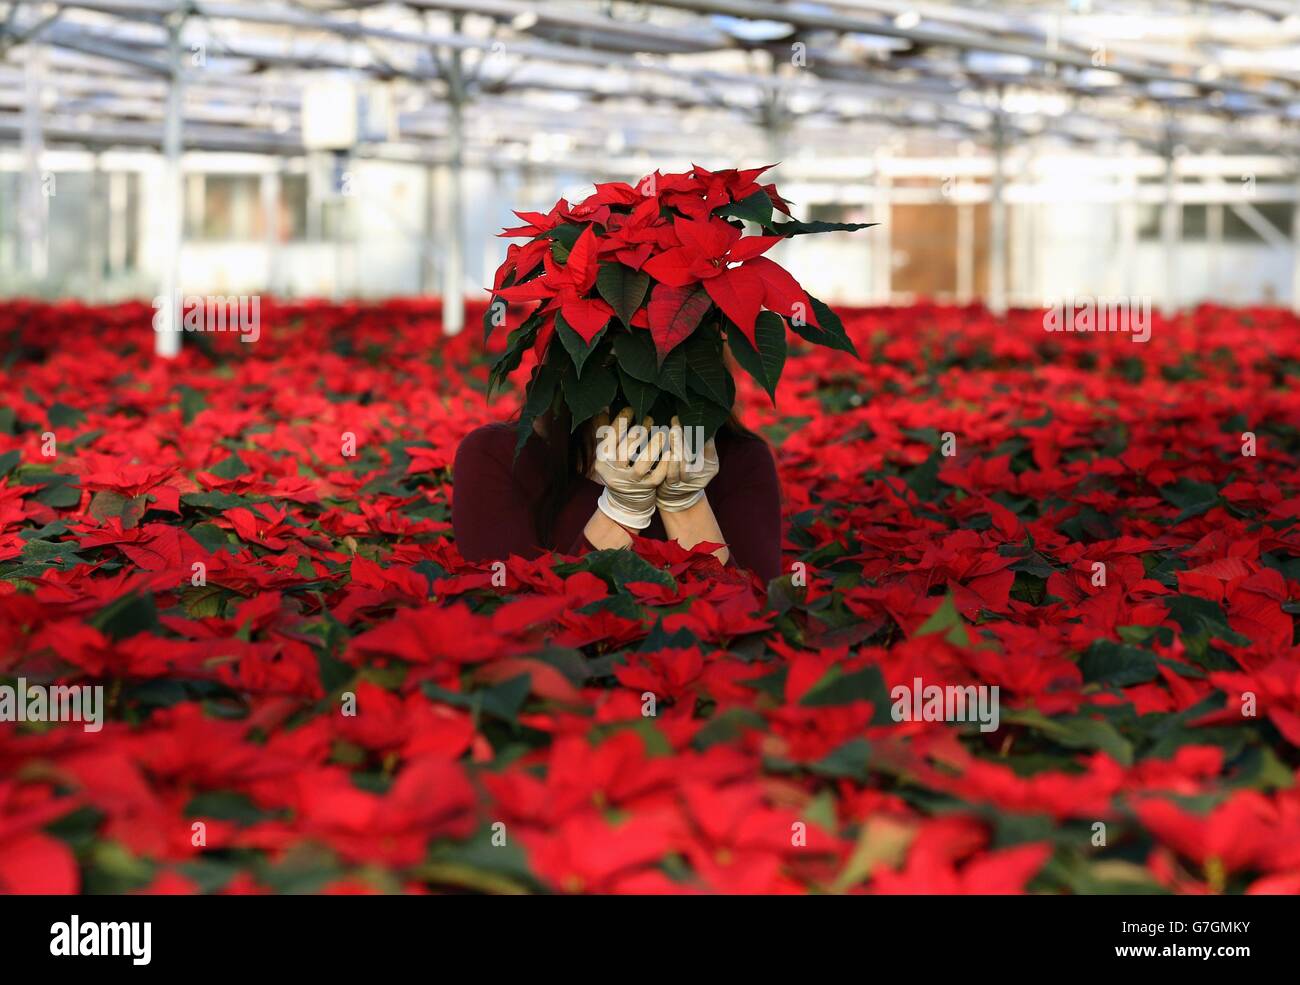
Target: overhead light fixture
point(329, 117)
point(753, 30)
point(907, 20)
point(524, 21)
point(997, 63)
point(1097, 78)
point(1165, 89)
point(1022, 101)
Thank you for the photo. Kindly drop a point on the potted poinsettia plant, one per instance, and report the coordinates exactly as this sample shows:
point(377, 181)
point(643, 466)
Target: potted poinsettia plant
point(643, 285)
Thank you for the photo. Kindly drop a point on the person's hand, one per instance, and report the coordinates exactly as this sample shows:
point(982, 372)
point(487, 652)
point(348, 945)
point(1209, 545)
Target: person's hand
point(684, 482)
point(629, 469)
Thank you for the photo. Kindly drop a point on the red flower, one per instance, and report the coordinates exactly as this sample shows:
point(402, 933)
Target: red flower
point(708, 249)
point(588, 854)
point(563, 289)
point(430, 798)
point(999, 873)
point(30, 860)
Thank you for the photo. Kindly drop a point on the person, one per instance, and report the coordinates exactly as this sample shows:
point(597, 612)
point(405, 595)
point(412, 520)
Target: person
point(597, 486)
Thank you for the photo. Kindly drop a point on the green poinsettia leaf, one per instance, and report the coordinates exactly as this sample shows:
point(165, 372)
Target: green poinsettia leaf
point(579, 350)
point(565, 234)
point(128, 509)
point(1190, 496)
point(618, 568)
point(541, 392)
point(589, 395)
point(623, 288)
point(946, 620)
point(766, 362)
point(517, 343)
point(796, 228)
point(831, 332)
point(640, 396)
point(672, 375)
point(635, 352)
point(704, 414)
point(493, 315)
point(706, 373)
point(666, 407)
point(756, 208)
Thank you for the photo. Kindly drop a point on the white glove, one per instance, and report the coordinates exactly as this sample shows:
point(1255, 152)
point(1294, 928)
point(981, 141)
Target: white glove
point(684, 481)
point(630, 471)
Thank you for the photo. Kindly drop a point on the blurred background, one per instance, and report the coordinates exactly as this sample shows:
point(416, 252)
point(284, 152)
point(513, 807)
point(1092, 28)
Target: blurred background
point(1013, 151)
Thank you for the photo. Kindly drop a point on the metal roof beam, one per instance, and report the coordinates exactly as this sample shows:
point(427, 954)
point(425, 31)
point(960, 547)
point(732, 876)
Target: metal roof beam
point(812, 19)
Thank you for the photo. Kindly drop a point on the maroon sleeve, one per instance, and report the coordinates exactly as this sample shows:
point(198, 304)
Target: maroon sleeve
point(746, 498)
point(489, 508)
point(581, 546)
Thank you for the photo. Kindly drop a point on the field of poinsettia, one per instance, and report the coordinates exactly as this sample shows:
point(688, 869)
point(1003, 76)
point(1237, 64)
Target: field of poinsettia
point(309, 691)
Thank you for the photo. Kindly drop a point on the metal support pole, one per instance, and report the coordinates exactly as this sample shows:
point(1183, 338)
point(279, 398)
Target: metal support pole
point(492, 246)
point(1170, 231)
point(118, 194)
point(453, 271)
point(965, 252)
point(1214, 243)
point(1126, 254)
point(776, 122)
point(1028, 248)
point(997, 297)
point(34, 203)
point(97, 233)
point(315, 198)
point(167, 342)
point(882, 250)
point(453, 280)
point(428, 248)
point(1020, 252)
point(269, 187)
point(1037, 249)
point(1295, 250)
point(339, 204)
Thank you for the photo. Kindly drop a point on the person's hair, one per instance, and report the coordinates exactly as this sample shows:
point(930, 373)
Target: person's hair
point(569, 458)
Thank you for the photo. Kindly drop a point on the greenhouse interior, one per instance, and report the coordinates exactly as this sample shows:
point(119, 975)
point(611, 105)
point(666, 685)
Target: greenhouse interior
point(1011, 152)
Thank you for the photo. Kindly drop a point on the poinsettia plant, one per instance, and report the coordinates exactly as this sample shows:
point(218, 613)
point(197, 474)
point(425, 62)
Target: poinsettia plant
point(642, 286)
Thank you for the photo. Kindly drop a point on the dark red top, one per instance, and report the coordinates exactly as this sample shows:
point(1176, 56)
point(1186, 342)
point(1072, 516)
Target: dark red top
point(492, 500)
